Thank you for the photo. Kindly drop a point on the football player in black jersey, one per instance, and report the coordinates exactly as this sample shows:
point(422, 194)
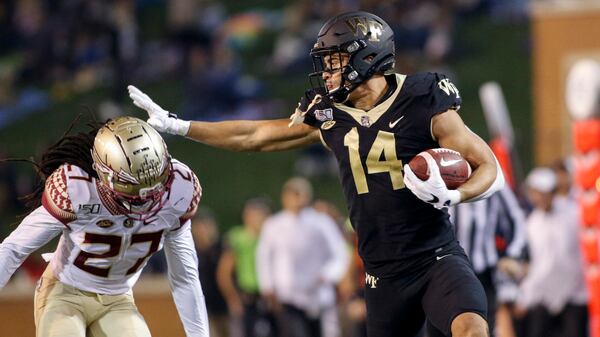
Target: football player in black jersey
point(375, 121)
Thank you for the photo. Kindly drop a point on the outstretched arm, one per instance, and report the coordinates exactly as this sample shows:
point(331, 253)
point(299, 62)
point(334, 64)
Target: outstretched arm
point(242, 135)
point(238, 135)
point(37, 229)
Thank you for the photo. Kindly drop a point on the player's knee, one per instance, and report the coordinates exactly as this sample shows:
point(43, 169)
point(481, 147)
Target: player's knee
point(469, 325)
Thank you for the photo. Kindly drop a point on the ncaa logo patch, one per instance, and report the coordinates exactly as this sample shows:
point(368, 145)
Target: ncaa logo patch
point(324, 115)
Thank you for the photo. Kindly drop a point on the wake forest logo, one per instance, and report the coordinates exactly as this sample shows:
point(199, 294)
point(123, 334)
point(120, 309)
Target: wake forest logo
point(448, 87)
point(104, 223)
point(367, 27)
point(371, 280)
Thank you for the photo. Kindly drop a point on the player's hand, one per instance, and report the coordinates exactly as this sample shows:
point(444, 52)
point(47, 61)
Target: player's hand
point(310, 100)
point(432, 190)
point(158, 118)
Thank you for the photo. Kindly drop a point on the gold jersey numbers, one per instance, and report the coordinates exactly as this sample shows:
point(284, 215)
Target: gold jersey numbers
point(385, 145)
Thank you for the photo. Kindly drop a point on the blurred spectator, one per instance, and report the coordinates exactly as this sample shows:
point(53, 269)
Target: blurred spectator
point(209, 248)
point(334, 319)
point(355, 308)
point(492, 233)
point(553, 293)
point(237, 275)
point(301, 257)
point(564, 187)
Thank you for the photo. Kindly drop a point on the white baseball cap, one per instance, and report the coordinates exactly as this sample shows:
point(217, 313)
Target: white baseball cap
point(541, 179)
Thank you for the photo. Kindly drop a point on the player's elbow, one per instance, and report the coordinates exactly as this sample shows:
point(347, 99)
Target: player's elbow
point(254, 143)
point(249, 145)
point(500, 179)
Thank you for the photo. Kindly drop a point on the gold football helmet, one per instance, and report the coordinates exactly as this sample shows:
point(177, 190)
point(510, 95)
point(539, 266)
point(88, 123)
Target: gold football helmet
point(133, 165)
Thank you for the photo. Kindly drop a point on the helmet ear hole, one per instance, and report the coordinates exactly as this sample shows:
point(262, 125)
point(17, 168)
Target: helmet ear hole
point(369, 58)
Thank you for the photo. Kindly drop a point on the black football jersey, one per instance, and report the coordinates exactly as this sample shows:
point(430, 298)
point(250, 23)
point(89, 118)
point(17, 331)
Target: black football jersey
point(392, 224)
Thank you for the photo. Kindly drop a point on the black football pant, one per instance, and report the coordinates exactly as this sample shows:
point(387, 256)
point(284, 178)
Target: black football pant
point(438, 292)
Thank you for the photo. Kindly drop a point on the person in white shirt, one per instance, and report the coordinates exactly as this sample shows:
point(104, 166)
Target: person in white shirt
point(114, 196)
point(301, 256)
point(553, 293)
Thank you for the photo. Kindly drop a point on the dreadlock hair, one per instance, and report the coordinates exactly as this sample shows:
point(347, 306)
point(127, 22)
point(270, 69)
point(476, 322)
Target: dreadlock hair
point(72, 149)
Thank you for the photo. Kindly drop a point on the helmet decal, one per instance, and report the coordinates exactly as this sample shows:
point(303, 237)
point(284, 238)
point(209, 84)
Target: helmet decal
point(368, 27)
point(365, 44)
point(133, 166)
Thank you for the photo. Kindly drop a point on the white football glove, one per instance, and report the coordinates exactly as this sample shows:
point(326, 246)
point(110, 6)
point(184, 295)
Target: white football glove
point(159, 118)
point(432, 190)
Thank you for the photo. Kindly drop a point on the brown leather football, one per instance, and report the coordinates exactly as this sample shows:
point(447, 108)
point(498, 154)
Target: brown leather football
point(454, 169)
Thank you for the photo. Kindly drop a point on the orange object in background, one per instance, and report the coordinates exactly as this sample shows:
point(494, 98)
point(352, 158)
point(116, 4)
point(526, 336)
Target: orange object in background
point(587, 169)
point(592, 276)
point(589, 207)
point(586, 135)
point(590, 245)
point(502, 153)
point(594, 326)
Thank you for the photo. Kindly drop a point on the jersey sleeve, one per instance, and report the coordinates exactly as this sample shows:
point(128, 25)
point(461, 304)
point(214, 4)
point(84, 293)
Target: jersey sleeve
point(195, 200)
point(320, 112)
point(55, 198)
point(443, 94)
point(185, 192)
point(431, 94)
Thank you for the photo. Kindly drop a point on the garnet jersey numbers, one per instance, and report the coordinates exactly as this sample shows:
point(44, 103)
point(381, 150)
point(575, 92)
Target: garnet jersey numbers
point(101, 250)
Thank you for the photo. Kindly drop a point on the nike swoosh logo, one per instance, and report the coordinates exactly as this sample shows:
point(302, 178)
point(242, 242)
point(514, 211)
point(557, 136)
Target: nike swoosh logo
point(434, 200)
point(395, 122)
point(441, 257)
point(444, 162)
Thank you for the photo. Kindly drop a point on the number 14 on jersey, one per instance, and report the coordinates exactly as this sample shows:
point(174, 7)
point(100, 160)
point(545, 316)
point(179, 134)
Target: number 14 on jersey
point(384, 144)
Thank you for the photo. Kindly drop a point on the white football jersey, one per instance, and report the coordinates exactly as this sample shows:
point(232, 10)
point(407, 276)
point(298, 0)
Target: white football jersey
point(101, 250)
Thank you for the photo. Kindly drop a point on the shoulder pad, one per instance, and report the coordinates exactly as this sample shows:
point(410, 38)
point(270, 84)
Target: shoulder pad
point(420, 83)
point(186, 191)
point(438, 91)
point(56, 199)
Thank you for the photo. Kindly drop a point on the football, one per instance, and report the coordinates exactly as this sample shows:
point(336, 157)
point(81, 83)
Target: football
point(454, 169)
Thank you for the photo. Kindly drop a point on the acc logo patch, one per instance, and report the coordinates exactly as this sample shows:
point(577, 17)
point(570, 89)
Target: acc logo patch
point(327, 125)
point(104, 223)
point(127, 223)
point(324, 115)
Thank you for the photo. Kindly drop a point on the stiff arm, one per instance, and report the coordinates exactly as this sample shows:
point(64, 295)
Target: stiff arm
point(246, 135)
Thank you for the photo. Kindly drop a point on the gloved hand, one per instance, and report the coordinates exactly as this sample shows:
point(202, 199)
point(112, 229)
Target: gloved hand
point(160, 119)
point(308, 101)
point(432, 190)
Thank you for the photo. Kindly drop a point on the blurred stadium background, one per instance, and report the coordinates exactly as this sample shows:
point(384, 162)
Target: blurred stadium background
point(218, 60)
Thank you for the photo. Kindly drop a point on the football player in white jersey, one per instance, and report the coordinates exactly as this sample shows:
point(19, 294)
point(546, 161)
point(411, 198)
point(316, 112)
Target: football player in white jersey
point(115, 197)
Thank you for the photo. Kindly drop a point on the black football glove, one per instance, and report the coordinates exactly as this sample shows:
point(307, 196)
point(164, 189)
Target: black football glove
point(311, 99)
